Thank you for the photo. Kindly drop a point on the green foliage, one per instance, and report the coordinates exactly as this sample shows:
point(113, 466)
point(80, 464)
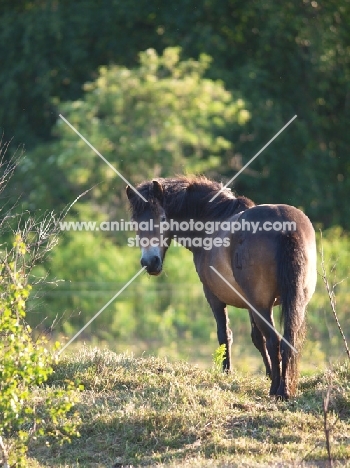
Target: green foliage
point(87, 269)
point(219, 357)
point(24, 365)
point(335, 244)
point(160, 118)
point(282, 59)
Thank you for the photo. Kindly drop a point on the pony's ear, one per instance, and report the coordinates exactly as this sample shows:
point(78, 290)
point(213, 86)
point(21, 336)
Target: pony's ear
point(129, 192)
point(157, 190)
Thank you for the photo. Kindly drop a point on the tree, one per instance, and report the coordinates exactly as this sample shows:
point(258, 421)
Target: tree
point(158, 119)
point(26, 363)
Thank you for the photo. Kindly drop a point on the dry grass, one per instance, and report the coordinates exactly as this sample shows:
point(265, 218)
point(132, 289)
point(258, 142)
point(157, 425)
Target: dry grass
point(149, 412)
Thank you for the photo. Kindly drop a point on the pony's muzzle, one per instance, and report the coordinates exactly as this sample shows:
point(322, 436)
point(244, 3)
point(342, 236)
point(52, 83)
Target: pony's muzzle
point(153, 264)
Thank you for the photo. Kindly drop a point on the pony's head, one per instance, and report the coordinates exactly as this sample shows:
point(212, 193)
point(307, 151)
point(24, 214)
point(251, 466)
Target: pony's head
point(152, 224)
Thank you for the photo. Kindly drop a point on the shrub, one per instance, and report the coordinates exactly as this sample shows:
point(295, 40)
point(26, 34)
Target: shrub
point(24, 364)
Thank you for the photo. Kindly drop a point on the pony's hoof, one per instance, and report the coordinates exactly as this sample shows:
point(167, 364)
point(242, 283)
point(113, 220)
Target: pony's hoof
point(282, 393)
point(282, 397)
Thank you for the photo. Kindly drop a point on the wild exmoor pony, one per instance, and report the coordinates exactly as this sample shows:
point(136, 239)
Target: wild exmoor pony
point(255, 268)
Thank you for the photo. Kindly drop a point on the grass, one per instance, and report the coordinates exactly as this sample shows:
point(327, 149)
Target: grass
point(149, 412)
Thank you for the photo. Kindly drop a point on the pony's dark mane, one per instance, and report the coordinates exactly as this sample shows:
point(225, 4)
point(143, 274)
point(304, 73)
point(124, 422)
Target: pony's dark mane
point(188, 197)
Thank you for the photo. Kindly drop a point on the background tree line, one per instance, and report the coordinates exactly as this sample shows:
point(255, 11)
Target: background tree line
point(162, 88)
point(282, 58)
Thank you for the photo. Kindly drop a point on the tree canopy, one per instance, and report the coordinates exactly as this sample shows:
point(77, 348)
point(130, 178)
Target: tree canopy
point(159, 118)
point(281, 59)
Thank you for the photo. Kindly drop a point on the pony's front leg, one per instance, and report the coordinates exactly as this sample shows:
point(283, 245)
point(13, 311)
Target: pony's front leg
point(222, 323)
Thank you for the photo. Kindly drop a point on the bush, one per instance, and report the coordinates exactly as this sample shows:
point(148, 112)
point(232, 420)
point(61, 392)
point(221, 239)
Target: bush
point(25, 363)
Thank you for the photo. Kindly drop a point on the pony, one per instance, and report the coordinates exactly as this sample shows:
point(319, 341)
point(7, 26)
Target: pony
point(248, 256)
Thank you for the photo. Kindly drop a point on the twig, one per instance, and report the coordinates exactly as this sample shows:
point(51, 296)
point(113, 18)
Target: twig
point(326, 426)
point(332, 300)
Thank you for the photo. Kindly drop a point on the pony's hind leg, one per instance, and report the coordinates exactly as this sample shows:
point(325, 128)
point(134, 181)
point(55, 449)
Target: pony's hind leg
point(264, 322)
point(260, 344)
point(222, 323)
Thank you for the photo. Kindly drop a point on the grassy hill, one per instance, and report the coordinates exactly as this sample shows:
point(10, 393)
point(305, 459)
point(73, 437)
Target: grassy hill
point(149, 412)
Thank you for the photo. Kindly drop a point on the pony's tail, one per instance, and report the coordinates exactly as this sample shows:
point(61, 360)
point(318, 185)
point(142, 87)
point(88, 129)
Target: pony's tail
point(290, 274)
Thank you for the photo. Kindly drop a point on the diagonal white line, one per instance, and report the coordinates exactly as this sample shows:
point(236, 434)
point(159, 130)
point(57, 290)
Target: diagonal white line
point(254, 309)
point(102, 157)
point(101, 310)
point(257, 154)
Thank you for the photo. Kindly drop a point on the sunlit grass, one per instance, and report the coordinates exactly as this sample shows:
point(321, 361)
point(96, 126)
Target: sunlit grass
point(149, 411)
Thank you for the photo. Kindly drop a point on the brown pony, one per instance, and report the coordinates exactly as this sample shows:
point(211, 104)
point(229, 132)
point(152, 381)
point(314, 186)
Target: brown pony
point(246, 255)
